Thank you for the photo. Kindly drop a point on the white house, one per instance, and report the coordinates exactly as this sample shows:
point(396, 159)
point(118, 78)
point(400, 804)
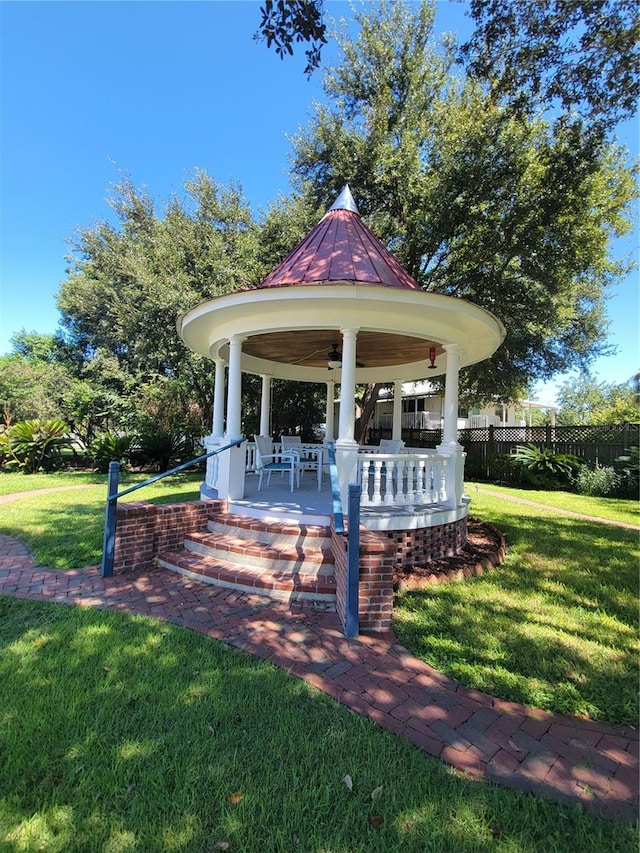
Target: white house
point(423, 408)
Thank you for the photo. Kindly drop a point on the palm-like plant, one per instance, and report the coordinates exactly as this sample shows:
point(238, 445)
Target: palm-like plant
point(107, 447)
point(34, 445)
point(543, 468)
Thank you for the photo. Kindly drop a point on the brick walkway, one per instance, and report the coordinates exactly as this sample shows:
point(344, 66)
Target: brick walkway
point(564, 758)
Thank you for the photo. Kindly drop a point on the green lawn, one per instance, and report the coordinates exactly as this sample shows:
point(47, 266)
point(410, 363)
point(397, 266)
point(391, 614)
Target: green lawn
point(11, 482)
point(64, 530)
point(555, 627)
point(121, 733)
point(613, 509)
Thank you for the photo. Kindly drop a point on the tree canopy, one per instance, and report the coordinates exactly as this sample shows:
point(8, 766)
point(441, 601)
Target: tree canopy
point(579, 57)
point(475, 201)
point(130, 279)
point(287, 21)
point(586, 401)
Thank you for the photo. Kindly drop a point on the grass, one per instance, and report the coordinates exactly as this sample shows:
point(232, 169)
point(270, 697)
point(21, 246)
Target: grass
point(554, 627)
point(15, 481)
point(121, 733)
point(613, 509)
point(64, 530)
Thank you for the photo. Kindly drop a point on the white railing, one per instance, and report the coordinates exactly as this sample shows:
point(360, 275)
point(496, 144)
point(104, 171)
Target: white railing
point(410, 420)
point(411, 479)
point(404, 479)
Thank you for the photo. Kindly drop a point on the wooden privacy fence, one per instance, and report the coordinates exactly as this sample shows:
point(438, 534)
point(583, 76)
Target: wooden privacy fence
point(593, 444)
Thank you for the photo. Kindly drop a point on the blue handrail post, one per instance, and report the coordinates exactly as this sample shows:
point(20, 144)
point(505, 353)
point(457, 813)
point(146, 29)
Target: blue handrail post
point(351, 628)
point(109, 542)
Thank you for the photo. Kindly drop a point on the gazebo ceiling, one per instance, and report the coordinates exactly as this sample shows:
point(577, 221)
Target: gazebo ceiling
point(340, 276)
point(310, 347)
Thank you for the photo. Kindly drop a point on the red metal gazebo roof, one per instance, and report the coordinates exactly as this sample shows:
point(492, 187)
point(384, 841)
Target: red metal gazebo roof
point(340, 249)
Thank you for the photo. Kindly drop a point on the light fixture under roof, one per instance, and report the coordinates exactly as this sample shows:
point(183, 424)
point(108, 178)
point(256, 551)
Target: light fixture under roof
point(334, 358)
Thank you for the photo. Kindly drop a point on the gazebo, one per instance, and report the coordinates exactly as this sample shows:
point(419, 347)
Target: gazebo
point(340, 292)
point(341, 310)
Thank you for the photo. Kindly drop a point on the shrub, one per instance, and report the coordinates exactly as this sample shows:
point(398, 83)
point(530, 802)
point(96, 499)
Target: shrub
point(628, 466)
point(600, 482)
point(541, 468)
point(107, 447)
point(161, 449)
point(35, 445)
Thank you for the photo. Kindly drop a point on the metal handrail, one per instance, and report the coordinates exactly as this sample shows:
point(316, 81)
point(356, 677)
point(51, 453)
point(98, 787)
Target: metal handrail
point(335, 489)
point(352, 531)
point(109, 540)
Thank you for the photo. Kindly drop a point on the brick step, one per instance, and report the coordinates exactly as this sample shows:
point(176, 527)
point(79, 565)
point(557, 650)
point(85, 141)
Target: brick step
point(276, 533)
point(281, 585)
point(286, 556)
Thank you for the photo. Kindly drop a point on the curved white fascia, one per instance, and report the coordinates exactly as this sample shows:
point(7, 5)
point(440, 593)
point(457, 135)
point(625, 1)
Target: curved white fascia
point(207, 327)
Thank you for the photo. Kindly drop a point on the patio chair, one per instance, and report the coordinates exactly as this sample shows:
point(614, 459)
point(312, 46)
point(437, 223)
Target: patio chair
point(267, 461)
point(307, 463)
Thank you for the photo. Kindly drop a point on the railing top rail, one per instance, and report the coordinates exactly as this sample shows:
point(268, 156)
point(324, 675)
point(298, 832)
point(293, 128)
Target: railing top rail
point(175, 470)
point(401, 457)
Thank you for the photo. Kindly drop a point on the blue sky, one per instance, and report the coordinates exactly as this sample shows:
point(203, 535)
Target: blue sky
point(155, 90)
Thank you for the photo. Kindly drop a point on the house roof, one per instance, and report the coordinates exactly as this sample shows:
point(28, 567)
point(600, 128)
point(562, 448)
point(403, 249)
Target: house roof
point(341, 249)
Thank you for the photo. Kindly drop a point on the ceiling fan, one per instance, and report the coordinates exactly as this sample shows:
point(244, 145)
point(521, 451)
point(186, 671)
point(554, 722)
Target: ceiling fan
point(334, 359)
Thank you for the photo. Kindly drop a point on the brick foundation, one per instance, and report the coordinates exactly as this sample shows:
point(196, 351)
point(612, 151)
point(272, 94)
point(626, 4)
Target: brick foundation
point(417, 547)
point(144, 529)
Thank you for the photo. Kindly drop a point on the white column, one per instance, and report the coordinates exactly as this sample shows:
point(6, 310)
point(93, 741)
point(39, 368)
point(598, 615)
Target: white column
point(231, 466)
point(218, 399)
point(234, 389)
point(348, 386)
point(454, 471)
point(396, 430)
point(211, 485)
point(450, 435)
point(331, 395)
point(265, 405)
point(346, 446)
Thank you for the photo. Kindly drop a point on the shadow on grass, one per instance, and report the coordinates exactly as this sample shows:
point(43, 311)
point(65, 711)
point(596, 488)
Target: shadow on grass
point(121, 733)
point(553, 627)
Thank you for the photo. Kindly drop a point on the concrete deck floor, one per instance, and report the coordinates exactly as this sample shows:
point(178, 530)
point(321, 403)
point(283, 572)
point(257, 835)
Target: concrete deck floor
point(306, 504)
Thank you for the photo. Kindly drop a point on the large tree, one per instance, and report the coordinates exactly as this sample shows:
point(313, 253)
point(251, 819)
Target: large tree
point(129, 279)
point(475, 201)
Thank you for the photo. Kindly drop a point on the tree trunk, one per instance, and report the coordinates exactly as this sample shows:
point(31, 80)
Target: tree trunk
point(367, 405)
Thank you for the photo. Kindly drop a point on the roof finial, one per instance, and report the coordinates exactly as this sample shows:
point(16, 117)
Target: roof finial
point(344, 201)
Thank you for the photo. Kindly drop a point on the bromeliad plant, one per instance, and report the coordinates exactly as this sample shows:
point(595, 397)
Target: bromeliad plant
point(107, 447)
point(34, 445)
point(541, 468)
